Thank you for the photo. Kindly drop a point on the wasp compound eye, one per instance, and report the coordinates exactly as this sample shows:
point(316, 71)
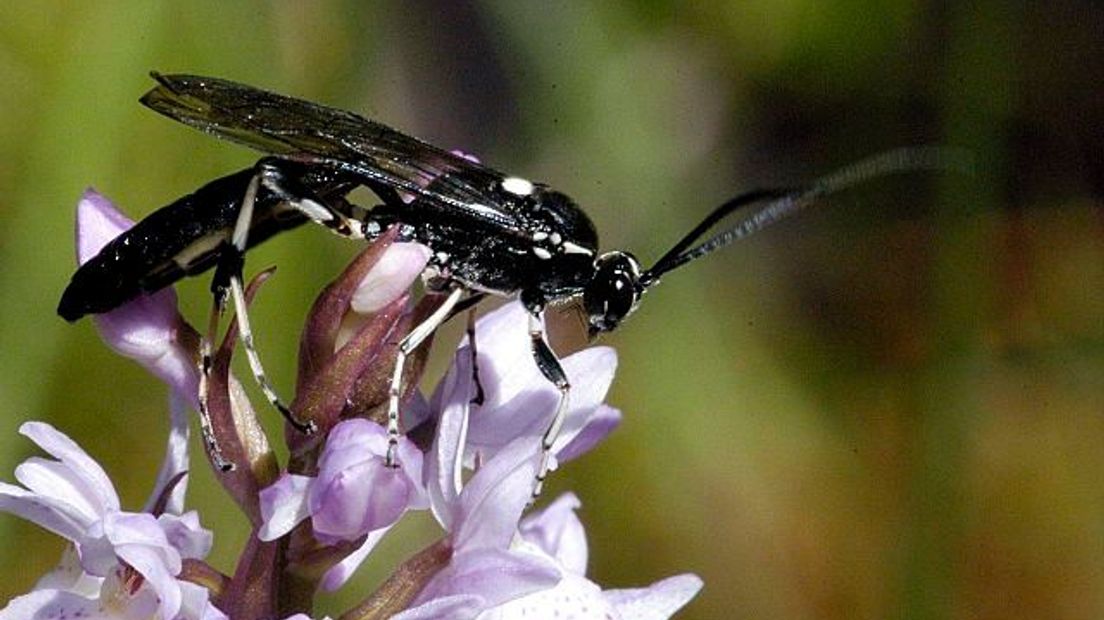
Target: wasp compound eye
point(613, 292)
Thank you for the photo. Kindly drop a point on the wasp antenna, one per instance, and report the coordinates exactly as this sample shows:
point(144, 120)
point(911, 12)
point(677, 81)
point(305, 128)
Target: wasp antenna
point(670, 260)
point(783, 203)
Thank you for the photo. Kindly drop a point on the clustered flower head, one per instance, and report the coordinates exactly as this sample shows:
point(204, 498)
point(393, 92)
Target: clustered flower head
point(471, 461)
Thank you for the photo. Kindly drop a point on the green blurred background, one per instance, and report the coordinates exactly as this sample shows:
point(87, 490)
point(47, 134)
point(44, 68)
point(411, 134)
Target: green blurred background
point(888, 407)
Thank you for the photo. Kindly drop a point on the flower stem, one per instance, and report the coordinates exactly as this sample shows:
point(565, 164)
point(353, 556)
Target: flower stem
point(403, 585)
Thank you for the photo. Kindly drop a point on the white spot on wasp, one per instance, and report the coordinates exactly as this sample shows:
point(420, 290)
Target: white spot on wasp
point(574, 248)
point(542, 253)
point(540, 235)
point(555, 238)
point(517, 186)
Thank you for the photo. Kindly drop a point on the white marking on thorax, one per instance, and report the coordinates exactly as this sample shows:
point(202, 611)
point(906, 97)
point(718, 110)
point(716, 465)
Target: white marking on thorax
point(574, 248)
point(517, 186)
point(542, 253)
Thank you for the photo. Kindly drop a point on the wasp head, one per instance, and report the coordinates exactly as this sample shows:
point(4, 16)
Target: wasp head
point(613, 291)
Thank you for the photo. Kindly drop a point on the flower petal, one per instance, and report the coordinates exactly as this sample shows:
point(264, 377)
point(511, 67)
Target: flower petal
point(175, 461)
point(148, 328)
point(150, 331)
point(195, 603)
point(283, 505)
point(328, 312)
point(490, 576)
point(444, 466)
point(98, 222)
point(53, 605)
point(658, 601)
point(69, 576)
point(57, 517)
point(186, 535)
point(558, 532)
point(493, 500)
point(359, 499)
point(57, 444)
point(59, 482)
point(135, 528)
point(343, 570)
point(518, 399)
point(600, 424)
point(150, 563)
point(506, 361)
point(390, 277)
point(355, 491)
point(573, 598)
point(451, 607)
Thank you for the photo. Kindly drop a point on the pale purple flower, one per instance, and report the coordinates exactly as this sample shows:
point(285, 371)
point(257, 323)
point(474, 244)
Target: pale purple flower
point(481, 518)
point(128, 561)
point(355, 491)
point(67, 593)
point(484, 571)
point(556, 533)
point(498, 569)
point(147, 329)
point(519, 401)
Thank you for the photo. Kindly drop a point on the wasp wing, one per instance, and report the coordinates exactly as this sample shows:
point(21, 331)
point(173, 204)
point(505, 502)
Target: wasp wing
point(286, 126)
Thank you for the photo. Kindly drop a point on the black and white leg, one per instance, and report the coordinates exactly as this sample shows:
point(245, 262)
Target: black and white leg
point(285, 188)
point(551, 368)
point(276, 185)
point(239, 239)
point(210, 443)
point(410, 342)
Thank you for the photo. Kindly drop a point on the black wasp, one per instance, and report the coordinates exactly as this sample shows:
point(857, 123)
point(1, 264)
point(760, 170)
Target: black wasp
point(489, 233)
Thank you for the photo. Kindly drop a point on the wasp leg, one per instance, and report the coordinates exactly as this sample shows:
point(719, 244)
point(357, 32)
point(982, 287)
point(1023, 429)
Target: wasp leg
point(551, 368)
point(285, 188)
point(210, 443)
point(408, 344)
point(269, 183)
point(479, 395)
point(234, 258)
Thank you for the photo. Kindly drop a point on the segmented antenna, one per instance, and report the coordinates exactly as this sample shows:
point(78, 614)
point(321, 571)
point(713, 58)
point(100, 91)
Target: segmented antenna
point(782, 203)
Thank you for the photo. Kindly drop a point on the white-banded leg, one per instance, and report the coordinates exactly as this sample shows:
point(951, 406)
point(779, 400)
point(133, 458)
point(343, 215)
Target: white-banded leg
point(229, 267)
point(551, 368)
point(406, 347)
point(239, 240)
point(207, 430)
point(286, 189)
point(277, 187)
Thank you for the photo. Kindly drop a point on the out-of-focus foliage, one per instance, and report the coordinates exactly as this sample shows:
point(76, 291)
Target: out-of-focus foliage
point(890, 406)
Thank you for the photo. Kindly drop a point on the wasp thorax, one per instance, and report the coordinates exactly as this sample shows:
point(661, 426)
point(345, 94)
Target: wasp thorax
point(613, 291)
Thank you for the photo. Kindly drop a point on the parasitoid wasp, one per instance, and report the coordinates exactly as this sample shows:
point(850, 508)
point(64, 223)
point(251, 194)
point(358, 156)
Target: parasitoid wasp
point(488, 232)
